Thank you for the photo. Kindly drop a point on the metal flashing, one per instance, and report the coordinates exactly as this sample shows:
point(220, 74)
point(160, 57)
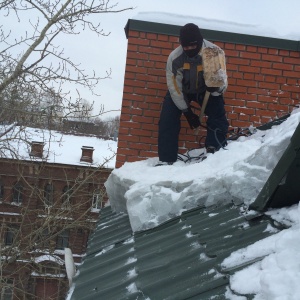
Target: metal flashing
point(214, 35)
point(282, 188)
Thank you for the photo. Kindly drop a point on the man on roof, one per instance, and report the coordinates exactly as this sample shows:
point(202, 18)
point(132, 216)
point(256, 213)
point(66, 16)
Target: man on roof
point(186, 83)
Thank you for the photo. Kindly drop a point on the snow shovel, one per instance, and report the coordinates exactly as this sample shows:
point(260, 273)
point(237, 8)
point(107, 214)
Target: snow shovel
point(204, 103)
point(214, 72)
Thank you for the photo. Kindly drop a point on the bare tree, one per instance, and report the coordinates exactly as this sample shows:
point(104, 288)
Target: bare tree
point(33, 71)
point(30, 107)
point(113, 125)
point(44, 207)
point(35, 59)
point(108, 127)
point(50, 213)
point(83, 112)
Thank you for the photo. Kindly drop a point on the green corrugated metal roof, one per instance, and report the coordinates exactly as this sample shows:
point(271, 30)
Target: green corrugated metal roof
point(181, 259)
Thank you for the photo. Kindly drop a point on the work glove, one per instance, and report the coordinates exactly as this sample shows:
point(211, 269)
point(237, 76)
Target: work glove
point(212, 89)
point(192, 118)
point(215, 91)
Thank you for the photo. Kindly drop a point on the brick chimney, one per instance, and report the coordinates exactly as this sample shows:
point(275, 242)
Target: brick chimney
point(37, 149)
point(87, 154)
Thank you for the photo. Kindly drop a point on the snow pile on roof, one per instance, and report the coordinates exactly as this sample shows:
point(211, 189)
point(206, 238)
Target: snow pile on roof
point(152, 195)
point(48, 257)
point(249, 26)
point(277, 275)
point(58, 147)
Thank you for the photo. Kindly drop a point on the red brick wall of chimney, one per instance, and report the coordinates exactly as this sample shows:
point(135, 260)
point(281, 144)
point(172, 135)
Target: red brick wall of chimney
point(263, 85)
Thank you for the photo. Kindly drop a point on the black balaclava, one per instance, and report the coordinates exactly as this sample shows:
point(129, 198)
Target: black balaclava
point(190, 35)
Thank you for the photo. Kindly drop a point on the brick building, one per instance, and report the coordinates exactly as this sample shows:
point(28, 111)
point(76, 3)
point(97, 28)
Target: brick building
point(263, 75)
point(50, 196)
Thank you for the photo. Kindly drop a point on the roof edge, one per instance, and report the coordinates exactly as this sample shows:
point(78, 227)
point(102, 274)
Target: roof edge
point(221, 36)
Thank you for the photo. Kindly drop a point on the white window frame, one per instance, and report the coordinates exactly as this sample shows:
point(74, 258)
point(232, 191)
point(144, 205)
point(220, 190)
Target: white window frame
point(66, 197)
point(10, 235)
point(63, 239)
point(1, 190)
point(17, 196)
point(49, 194)
point(6, 292)
point(97, 200)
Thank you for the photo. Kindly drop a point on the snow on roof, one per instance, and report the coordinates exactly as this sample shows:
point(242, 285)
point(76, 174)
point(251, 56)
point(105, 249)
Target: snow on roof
point(52, 258)
point(250, 28)
point(152, 195)
point(36, 274)
point(59, 148)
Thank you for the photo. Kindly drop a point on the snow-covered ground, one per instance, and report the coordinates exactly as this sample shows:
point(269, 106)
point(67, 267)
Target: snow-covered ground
point(151, 195)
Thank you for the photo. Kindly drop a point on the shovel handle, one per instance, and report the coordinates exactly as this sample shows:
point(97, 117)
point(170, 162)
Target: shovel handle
point(204, 103)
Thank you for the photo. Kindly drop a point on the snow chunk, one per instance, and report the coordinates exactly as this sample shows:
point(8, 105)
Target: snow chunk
point(152, 195)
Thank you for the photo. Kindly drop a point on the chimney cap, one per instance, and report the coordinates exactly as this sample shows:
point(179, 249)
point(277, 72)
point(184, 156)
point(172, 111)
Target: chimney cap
point(39, 143)
point(37, 149)
point(87, 154)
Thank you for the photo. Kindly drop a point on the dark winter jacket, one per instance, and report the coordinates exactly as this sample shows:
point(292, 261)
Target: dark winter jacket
point(185, 76)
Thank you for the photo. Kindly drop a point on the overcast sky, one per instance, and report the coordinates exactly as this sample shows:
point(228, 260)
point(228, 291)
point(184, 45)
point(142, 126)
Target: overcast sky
point(268, 17)
point(274, 18)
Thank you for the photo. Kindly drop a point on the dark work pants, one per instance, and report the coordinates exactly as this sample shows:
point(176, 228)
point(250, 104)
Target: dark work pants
point(169, 126)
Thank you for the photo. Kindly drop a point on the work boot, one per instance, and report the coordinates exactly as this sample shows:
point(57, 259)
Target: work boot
point(211, 149)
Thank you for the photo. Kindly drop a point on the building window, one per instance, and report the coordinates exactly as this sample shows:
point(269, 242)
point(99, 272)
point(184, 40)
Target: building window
point(1, 190)
point(62, 241)
point(6, 291)
point(44, 239)
point(97, 200)
point(48, 194)
point(18, 193)
point(10, 235)
point(66, 197)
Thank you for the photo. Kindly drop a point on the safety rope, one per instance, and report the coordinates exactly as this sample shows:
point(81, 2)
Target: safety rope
point(187, 158)
point(232, 135)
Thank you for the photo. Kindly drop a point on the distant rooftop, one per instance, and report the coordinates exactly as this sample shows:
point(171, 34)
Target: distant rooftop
point(58, 148)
